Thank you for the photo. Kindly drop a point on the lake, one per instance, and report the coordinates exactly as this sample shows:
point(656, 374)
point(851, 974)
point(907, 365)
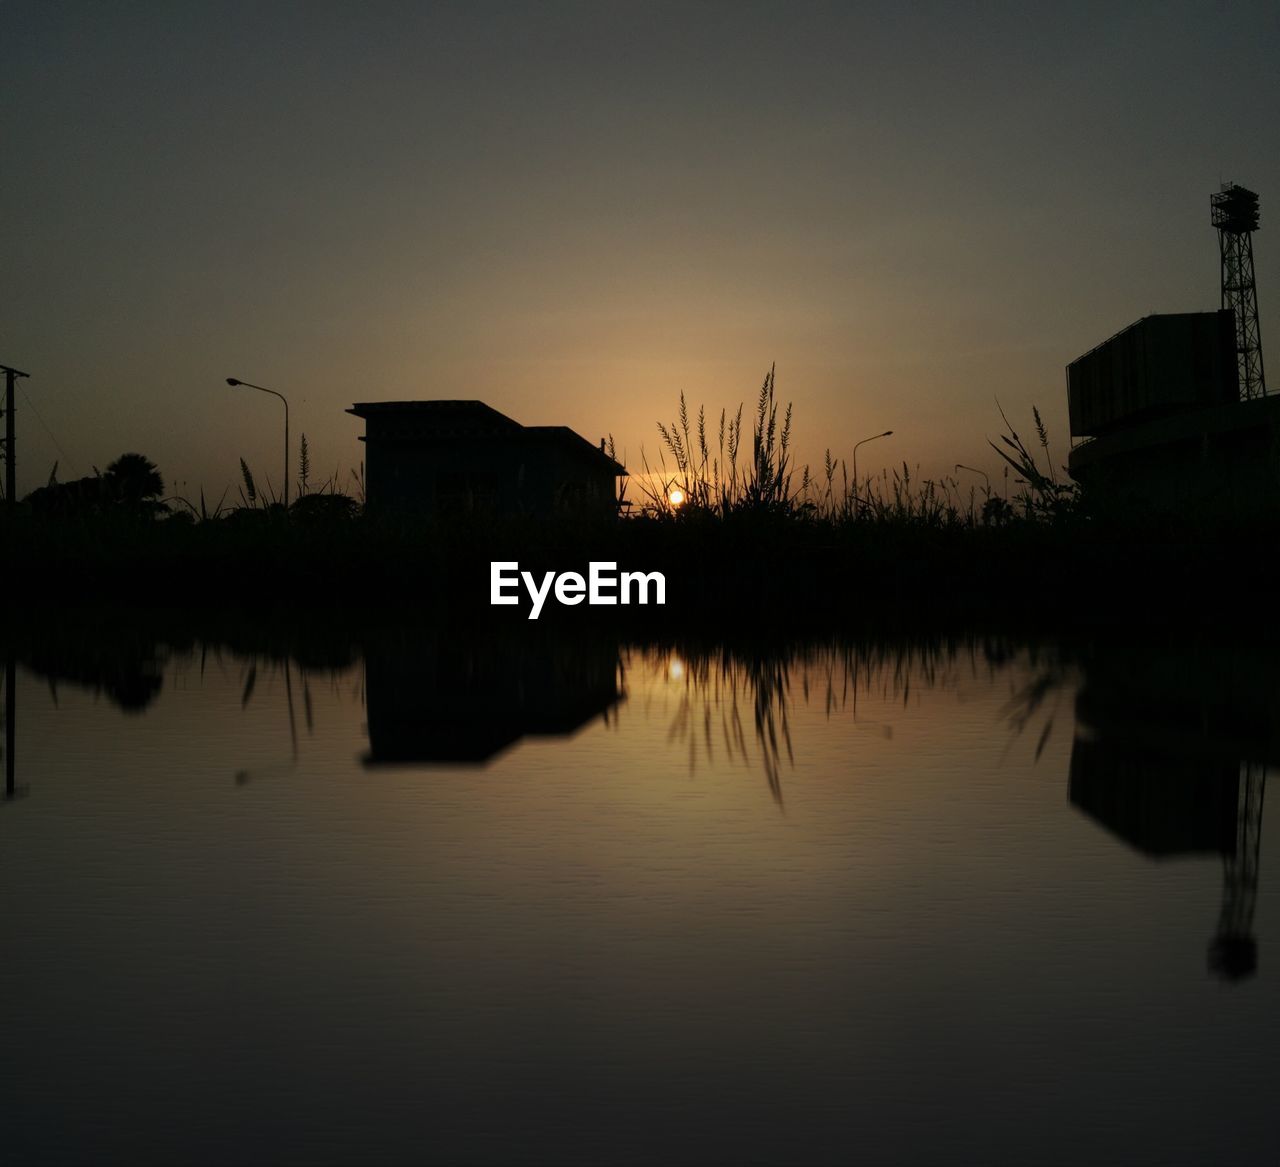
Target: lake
point(407, 895)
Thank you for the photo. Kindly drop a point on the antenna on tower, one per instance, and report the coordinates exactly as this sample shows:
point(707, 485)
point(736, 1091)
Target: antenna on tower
point(1234, 211)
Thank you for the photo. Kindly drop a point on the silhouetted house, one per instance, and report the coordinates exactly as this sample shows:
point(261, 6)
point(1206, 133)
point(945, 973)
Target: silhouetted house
point(429, 456)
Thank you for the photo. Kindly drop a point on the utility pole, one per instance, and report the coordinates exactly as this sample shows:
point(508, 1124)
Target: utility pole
point(10, 458)
point(10, 672)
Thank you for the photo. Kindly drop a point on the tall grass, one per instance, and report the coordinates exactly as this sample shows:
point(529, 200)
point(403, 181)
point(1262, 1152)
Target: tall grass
point(719, 479)
point(736, 470)
point(697, 475)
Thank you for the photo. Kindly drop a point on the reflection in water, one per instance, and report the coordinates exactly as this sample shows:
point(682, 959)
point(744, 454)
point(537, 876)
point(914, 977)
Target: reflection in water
point(588, 949)
point(713, 686)
point(722, 682)
point(10, 724)
point(441, 698)
point(269, 667)
point(447, 700)
point(128, 670)
point(1171, 753)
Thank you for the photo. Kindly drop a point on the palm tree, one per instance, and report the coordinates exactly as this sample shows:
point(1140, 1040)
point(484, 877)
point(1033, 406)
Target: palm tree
point(135, 481)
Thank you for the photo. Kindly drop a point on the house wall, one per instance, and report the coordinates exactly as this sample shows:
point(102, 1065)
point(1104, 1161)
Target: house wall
point(555, 482)
point(1162, 364)
point(1216, 463)
point(483, 475)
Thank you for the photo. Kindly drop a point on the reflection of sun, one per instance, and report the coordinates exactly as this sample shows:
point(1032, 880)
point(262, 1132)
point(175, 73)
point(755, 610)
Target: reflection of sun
point(676, 496)
point(675, 669)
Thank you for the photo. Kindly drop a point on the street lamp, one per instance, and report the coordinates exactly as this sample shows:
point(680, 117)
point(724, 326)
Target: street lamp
point(975, 470)
point(864, 441)
point(234, 383)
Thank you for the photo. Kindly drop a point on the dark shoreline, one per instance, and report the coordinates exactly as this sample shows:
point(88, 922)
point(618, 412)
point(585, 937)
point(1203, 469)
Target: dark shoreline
point(780, 578)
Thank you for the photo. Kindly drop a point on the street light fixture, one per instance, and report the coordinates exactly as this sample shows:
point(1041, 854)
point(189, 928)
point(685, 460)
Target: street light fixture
point(872, 438)
point(975, 470)
point(235, 383)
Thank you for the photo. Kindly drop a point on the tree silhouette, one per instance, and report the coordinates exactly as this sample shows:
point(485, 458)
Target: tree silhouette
point(131, 484)
point(135, 481)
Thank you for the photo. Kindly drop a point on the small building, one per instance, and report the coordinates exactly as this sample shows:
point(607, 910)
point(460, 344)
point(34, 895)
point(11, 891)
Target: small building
point(431, 457)
point(1163, 365)
point(1164, 428)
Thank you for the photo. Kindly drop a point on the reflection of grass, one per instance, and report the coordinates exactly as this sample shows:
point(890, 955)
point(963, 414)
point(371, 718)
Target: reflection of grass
point(714, 688)
point(1039, 698)
point(283, 666)
point(721, 680)
point(737, 698)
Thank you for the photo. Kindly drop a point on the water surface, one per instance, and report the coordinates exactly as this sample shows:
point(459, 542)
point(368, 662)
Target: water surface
point(430, 898)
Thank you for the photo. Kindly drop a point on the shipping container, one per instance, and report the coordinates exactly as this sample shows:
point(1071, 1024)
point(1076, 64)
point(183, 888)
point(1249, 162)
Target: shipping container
point(1159, 365)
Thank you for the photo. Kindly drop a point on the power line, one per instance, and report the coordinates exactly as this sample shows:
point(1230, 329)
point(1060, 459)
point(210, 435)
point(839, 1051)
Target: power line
point(57, 444)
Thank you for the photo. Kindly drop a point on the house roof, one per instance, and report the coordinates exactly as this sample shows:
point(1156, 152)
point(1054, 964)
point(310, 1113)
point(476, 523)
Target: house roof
point(456, 416)
point(429, 420)
point(574, 443)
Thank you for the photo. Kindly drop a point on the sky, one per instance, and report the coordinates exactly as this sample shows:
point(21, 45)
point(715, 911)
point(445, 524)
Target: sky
point(575, 212)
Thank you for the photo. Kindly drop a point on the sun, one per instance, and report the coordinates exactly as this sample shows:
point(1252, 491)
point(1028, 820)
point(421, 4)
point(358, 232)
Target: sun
point(675, 496)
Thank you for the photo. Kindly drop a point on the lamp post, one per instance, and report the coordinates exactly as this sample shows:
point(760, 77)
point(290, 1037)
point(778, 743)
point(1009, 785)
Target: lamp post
point(975, 470)
point(986, 491)
point(234, 383)
point(864, 441)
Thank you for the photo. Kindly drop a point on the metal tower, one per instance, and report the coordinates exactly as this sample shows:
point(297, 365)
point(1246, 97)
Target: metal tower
point(1234, 211)
point(1233, 952)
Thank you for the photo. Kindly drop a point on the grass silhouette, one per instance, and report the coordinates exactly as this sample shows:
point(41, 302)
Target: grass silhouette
point(756, 538)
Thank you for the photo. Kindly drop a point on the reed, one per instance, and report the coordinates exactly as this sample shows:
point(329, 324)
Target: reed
point(696, 479)
point(717, 480)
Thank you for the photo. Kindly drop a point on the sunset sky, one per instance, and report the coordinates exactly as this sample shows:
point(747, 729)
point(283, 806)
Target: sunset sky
point(575, 211)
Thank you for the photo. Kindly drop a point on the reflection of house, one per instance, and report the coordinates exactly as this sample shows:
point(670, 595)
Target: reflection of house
point(462, 701)
point(431, 456)
point(1161, 735)
point(1162, 804)
point(1171, 754)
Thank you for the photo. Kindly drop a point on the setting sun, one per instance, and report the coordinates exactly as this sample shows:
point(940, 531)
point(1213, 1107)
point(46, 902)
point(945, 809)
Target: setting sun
point(675, 496)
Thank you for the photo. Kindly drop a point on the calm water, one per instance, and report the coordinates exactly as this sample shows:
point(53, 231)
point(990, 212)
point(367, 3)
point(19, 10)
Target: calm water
point(947, 901)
